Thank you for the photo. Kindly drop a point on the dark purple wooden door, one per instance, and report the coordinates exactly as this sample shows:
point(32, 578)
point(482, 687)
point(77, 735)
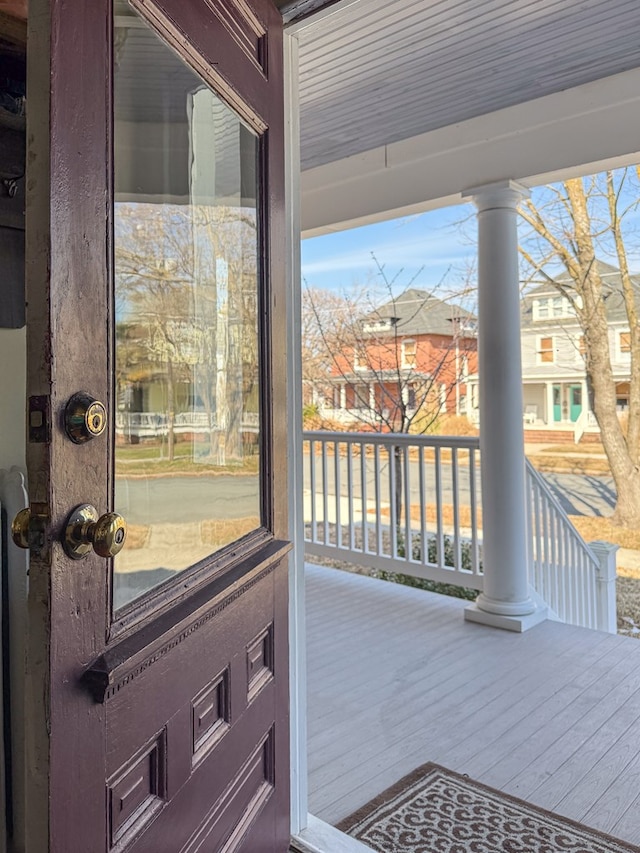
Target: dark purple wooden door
point(155, 235)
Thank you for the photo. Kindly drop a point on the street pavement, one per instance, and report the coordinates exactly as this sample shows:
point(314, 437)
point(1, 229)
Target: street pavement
point(182, 499)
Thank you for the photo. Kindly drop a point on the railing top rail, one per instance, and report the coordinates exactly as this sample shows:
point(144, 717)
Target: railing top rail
point(471, 442)
point(544, 486)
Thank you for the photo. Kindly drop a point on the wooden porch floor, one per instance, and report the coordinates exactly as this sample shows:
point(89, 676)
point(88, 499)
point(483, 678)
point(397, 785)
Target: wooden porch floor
point(397, 678)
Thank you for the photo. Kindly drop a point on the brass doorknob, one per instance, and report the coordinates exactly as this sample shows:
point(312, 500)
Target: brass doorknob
point(20, 528)
point(85, 530)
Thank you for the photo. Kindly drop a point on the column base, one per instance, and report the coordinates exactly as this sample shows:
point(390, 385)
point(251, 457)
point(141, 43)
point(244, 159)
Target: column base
point(521, 623)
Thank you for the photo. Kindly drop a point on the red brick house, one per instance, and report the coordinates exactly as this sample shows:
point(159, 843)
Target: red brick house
point(407, 363)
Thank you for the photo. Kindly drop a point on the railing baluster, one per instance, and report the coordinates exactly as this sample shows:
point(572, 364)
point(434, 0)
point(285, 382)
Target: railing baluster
point(440, 561)
point(350, 495)
point(393, 506)
point(457, 548)
point(376, 467)
point(314, 515)
point(407, 504)
point(338, 488)
point(537, 542)
point(475, 562)
point(325, 495)
point(422, 502)
point(364, 498)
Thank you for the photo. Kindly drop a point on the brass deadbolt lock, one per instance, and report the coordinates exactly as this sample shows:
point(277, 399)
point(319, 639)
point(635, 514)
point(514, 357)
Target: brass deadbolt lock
point(20, 528)
point(84, 418)
point(84, 530)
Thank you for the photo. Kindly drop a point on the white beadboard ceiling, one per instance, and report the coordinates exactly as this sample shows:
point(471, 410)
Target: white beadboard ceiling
point(380, 71)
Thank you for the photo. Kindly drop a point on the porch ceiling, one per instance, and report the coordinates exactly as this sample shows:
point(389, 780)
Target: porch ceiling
point(374, 75)
point(374, 72)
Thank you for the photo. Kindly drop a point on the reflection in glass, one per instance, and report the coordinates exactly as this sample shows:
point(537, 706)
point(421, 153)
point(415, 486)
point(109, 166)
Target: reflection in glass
point(186, 297)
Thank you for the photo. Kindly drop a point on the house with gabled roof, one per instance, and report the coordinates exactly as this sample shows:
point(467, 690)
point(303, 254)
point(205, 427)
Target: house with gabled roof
point(412, 352)
point(556, 403)
point(553, 372)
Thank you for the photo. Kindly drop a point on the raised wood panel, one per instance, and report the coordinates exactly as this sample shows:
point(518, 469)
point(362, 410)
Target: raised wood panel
point(210, 715)
point(229, 821)
point(213, 696)
point(259, 662)
point(137, 791)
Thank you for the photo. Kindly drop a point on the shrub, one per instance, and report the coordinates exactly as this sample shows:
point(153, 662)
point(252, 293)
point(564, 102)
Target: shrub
point(432, 556)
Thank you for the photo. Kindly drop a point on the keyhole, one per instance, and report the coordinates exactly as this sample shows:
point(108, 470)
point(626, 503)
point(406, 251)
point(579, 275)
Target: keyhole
point(96, 422)
point(119, 537)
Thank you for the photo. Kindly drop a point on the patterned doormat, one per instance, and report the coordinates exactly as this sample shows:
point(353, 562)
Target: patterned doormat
point(434, 809)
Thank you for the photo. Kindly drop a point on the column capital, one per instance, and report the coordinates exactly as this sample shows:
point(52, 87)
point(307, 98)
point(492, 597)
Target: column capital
point(501, 194)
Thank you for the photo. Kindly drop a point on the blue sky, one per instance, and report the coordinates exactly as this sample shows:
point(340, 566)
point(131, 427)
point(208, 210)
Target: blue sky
point(442, 241)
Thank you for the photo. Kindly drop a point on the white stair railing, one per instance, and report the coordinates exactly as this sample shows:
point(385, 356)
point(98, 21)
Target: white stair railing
point(411, 505)
point(570, 576)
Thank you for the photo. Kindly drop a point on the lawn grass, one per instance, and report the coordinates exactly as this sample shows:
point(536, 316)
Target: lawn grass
point(590, 528)
point(564, 464)
point(184, 466)
point(591, 449)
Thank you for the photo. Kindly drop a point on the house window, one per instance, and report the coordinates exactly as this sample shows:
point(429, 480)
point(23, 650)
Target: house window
point(540, 309)
point(409, 349)
point(360, 358)
point(551, 306)
point(624, 342)
point(545, 351)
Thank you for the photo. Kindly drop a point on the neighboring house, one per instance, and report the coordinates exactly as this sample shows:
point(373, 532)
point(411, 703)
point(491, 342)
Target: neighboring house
point(553, 372)
point(412, 353)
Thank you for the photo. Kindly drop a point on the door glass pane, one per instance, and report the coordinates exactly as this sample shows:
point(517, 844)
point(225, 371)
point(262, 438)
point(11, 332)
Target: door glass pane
point(187, 431)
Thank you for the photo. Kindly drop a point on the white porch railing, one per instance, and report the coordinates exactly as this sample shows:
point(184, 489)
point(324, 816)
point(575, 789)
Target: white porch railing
point(360, 487)
point(156, 424)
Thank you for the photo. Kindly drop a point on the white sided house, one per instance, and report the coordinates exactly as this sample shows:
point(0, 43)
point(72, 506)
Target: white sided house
point(556, 401)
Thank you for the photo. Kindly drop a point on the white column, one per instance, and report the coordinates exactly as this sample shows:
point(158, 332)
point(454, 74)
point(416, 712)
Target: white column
point(505, 601)
point(343, 396)
point(549, 413)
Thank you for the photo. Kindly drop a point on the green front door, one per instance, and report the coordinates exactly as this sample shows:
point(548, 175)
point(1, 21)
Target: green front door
point(557, 406)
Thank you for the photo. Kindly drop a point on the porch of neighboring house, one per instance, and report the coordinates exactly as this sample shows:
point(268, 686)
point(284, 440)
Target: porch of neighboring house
point(559, 410)
point(397, 678)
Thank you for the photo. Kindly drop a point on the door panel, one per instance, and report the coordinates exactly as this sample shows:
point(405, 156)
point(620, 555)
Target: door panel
point(557, 404)
point(158, 715)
